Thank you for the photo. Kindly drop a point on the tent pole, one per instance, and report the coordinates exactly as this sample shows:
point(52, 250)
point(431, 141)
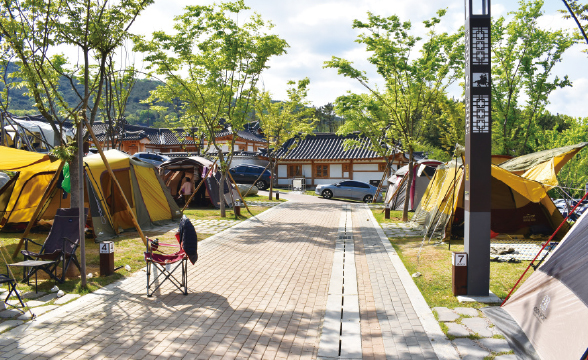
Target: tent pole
point(239, 191)
point(44, 199)
point(80, 204)
point(198, 187)
point(129, 209)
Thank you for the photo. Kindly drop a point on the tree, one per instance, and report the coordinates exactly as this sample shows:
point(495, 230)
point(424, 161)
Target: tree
point(212, 65)
point(285, 120)
point(578, 12)
point(413, 83)
point(328, 121)
point(33, 30)
point(523, 58)
point(118, 86)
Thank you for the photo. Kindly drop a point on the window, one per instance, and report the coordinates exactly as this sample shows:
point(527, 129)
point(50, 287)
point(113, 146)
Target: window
point(382, 167)
point(294, 170)
point(358, 184)
point(346, 167)
point(321, 171)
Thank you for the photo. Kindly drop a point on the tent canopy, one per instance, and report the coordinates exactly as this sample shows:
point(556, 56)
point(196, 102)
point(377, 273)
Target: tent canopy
point(145, 192)
point(546, 317)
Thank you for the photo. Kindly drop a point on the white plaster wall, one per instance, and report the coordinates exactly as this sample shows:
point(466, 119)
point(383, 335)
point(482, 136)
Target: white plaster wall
point(367, 176)
point(346, 174)
point(364, 167)
point(284, 182)
point(307, 172)
point(326, 181)
point(249, 147)
point(283, 171)
point(336, 171)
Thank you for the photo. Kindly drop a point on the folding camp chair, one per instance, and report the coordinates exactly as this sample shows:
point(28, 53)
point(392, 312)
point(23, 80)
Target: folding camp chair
point(6, 279)
point(59, 247)
point(166, 264)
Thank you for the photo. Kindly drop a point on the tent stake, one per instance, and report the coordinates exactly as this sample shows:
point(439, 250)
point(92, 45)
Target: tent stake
point(44, 199)
point(129, 209)
point(198, 188)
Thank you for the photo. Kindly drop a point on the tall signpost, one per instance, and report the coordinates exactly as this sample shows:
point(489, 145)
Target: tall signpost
point(478, 144)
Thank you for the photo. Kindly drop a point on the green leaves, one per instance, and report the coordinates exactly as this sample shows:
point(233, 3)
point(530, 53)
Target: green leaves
point(523, 56)
point(416, 73)
point(212, 64)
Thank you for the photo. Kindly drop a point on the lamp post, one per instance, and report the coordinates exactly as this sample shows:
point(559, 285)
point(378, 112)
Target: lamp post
point(478, 145)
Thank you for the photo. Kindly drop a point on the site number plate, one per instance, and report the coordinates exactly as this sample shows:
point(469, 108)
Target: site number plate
point(107, 247)
point(460, 259)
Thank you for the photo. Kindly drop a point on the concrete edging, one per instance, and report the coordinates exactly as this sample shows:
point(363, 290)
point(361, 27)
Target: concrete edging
point(441, 344)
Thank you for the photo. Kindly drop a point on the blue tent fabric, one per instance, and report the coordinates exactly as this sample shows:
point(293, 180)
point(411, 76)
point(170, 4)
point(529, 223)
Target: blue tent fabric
point(189, 239)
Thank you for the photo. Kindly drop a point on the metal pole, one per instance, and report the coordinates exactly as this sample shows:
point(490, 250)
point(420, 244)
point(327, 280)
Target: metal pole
point(477, 169)
point(82, 217)
point(2, 133)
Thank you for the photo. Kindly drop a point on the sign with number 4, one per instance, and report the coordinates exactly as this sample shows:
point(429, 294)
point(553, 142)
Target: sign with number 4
point(107, 247)
point(459, 259)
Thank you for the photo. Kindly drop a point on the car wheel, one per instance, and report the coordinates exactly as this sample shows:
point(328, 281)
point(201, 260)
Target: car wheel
point(327, 194)
point(261, 185)
point(368, 198)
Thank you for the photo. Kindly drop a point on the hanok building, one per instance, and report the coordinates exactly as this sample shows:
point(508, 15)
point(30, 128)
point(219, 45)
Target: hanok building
point(322, 159)
point(136, 138)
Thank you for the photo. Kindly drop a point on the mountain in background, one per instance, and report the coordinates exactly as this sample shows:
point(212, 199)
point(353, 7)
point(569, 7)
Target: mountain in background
point(139, 113)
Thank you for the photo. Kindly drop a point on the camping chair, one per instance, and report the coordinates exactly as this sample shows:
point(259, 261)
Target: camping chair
point(6, 279)
point(59, 247)
point(166, 264)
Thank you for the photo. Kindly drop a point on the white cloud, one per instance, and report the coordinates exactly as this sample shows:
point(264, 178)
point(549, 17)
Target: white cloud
point(317, 30)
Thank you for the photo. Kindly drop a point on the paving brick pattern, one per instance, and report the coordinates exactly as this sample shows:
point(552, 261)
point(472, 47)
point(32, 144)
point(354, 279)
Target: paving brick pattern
point(258, 290)
point(402, 332)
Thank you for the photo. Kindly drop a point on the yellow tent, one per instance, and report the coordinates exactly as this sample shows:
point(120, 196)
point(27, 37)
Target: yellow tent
point(149, 198)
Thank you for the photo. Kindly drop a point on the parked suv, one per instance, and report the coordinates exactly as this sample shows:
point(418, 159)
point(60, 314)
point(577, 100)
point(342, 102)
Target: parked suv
point(151, 158)
point(247, 174)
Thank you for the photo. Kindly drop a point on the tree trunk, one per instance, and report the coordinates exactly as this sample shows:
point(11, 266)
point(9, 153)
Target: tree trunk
point(74, 179)
point(408, 185)
point(221, 194)
point(272, 170)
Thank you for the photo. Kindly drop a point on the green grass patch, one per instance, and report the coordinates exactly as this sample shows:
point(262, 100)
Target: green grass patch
point(395, 216)
point(434, 263)
point(258, 197)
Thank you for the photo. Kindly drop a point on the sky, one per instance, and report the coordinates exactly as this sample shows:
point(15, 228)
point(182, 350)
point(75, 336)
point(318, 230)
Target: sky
point(316, 30)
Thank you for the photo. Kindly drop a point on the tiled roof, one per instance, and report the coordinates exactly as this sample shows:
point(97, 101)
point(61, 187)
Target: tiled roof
point(160, 136)
point(325, 146)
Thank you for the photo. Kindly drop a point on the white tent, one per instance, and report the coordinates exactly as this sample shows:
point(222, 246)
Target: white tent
point(546, 318)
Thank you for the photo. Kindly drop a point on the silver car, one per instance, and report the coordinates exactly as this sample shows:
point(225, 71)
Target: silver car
point(349, 189)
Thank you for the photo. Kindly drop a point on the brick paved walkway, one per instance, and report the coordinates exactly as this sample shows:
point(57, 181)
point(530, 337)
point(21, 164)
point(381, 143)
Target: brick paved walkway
point(259, 290)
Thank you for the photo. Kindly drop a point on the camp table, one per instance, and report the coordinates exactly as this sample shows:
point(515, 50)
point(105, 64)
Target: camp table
point(31, 263)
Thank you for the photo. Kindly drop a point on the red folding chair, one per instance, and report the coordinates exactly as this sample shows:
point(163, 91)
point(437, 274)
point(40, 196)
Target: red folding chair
point(166, 264)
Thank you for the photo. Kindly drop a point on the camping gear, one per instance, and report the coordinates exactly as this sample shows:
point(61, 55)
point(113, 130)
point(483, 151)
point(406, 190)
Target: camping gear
point(423, 171)
point(6, 279)
point(165, 264)
point(59, 247)
point(37, 174)
point(546, 317)
point(518, 205)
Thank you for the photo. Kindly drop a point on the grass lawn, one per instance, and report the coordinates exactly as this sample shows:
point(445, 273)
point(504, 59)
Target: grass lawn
point(128, 250)
point(435, 267)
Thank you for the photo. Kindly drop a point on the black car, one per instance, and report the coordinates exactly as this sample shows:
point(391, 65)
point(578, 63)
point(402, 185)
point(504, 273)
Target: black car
point(151, 158)
point(247, 174)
